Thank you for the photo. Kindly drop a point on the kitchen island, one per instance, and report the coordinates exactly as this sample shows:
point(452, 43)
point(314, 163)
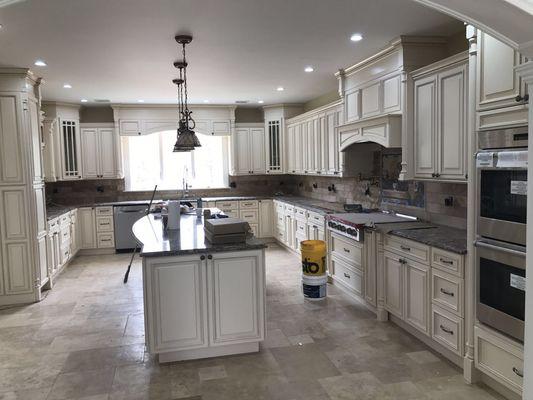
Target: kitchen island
point(200, 300)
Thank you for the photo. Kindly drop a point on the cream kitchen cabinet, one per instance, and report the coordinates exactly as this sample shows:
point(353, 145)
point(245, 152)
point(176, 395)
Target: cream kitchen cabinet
point(98, 153)
point(266, 218)
point(393, 284)
point(312, 142)
point(498, 84)
point(96, 227)
point(274, 146)
point(248, 150)
point(440, 111)
point(87, 221)
point(203, 301)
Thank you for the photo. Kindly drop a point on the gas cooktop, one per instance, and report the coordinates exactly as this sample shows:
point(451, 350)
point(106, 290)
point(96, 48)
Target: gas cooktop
point(353, 224)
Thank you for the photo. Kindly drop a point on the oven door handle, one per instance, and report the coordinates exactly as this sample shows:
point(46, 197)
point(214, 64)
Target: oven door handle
point(483, 244)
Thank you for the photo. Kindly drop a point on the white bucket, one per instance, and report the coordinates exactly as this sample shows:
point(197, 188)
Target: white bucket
point(314, 287)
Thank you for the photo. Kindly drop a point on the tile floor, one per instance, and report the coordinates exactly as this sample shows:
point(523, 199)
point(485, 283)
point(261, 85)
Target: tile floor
point(85, 341)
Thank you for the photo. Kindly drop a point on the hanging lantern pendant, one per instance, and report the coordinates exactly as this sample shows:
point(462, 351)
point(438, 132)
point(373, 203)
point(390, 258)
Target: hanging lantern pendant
point(187, 139)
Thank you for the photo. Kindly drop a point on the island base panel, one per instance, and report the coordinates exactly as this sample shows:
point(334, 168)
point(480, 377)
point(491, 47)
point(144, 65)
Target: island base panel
point(208, 352)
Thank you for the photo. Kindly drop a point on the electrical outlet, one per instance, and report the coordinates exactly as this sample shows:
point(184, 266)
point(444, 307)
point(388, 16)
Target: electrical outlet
point(448, 201)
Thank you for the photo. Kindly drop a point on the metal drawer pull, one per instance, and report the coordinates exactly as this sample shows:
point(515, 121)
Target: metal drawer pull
point(446, 261)
point(444, 291)
point(346, 250)
point(405, 248)
point(346, 275)
point(105, 240)
point(518, 372)
point(402, 261)
point(104, 223)
point(447, 330)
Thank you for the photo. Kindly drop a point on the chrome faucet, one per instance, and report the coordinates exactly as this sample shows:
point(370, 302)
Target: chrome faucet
point(185, 184)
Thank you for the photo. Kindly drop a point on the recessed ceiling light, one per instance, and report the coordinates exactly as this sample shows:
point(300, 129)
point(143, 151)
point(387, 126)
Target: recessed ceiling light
point(84, 100)
point(67, 86)
point(356, 37)
point(206, 101)
point(309, 69)
point(280, 88)
point(1, 26)
point(260, 101)
point(140, 101)
point(40, 63)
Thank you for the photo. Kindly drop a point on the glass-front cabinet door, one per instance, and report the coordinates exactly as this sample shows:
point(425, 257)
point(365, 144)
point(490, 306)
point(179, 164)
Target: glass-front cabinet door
point(274, 147)
point(70, 149)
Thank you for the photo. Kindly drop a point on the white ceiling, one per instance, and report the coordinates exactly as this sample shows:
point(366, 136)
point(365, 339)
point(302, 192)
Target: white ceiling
point(123, 50)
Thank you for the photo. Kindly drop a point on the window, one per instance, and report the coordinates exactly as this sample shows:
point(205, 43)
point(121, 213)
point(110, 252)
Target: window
point(149, 160)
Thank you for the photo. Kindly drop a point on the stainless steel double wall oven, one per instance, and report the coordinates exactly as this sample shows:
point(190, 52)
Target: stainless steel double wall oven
point(501, 229)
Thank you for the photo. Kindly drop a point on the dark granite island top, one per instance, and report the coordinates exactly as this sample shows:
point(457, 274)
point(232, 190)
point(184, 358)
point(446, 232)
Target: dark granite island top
point(189, 239)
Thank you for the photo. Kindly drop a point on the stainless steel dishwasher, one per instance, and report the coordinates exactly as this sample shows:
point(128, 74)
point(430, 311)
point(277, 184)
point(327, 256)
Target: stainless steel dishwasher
point(125, 216)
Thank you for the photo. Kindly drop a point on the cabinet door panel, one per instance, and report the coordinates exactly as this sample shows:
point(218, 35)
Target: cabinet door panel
point(417, 296)
point(333, 144)
point(424, 127)
point(291, 150)
point(236, 287)
point(498, 83)
point(298, 160)
point(311, 146)
point(14, 223)
point(370, 100)
point(266, 218)
point(107, 153)
point(17, 269)
point(393, 276)
point(87, 221)
point(392, 94)
point(178, 305)
point(35, 137)
point(11, 169)
point(257, 136)
point(452, 123)
point(89, 145)
point(352, 101)
point(242, 150)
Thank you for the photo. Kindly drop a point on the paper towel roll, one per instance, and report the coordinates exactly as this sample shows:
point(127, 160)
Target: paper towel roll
point(173, 215)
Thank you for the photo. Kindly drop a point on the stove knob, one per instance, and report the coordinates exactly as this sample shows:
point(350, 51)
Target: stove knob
point(342, 228)
point(331, 224)
point(350, 231)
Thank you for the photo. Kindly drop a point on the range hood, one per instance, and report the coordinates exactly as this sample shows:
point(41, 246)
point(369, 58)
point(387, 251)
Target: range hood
point(385, 130)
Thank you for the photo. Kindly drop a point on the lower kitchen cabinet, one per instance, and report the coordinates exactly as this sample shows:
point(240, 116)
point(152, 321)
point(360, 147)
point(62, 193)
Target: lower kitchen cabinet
point(96, 227)
point(393, 277)
point(266, 219)
point(199, 301)
point(87, 220)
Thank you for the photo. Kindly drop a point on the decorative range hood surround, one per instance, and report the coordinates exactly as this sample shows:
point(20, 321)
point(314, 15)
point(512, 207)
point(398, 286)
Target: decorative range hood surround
point(385, 130)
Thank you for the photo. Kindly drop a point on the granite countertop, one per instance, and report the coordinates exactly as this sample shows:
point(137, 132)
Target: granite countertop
point(235, 198)
point(442, 237)
point(190, 239)
point(315, 205)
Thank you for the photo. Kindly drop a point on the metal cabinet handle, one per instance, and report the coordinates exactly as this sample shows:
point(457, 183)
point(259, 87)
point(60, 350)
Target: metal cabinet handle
point(446, 261)
point(447, 293)
point(518, 372)
point(345, 249)
point(346, 275)
point(405, 248)
point(447, 330)
point(209, 257)
point(202, 257)
point(402, 261)
point(524, 98)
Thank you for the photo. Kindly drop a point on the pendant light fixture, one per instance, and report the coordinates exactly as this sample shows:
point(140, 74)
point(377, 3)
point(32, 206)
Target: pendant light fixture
point(187, 139)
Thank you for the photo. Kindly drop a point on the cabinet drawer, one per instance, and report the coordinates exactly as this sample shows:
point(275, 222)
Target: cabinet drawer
point(447, 329)
point(280, 235)
point(64, 254)
point(315, 218)
point(246, 204)
point(232, 213)
point(300, 213)
point(447, 261)
point(53, 225)
point(228, 205)
point(105, 240)
point(499, 359)
point(447, 291)
point(104, 211)
point(301, 229)
point(64, 219)
point(279, 207)
point(104, 224)
point(280, 220)
point(416, 251)
point(347, 250)
point(250, 216)
point(289, 209)
point(350, 277)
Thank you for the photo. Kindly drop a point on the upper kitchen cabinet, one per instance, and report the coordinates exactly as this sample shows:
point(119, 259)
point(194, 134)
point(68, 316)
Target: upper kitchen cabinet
point(439, 129)
point(275, 137)
point(248, 149)
point(99, 153)
point(62, 145)
point(376, 93)
point(312, 143)
point(501, 94)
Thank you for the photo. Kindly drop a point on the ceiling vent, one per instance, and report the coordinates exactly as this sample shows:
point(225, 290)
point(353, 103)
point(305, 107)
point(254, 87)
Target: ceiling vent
point(242, 102)
point(102, 101)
